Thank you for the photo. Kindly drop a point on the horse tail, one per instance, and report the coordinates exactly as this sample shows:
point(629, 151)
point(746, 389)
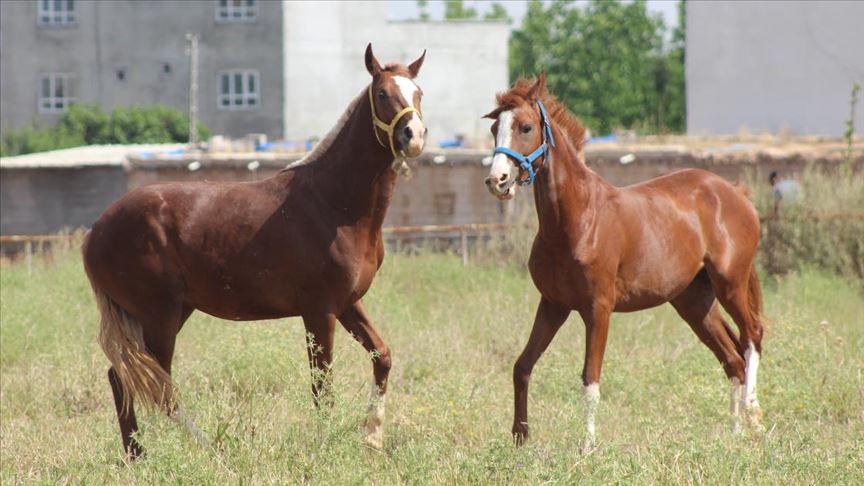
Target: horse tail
point(122, 340)
point(754, 297)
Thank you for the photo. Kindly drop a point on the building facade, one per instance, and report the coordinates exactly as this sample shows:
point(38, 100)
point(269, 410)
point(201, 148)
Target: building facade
point(773, 66)
point(285, 69)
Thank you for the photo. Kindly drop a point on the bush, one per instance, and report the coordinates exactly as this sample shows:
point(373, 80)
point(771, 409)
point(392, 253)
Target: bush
point(89, 125)
point(824, 229)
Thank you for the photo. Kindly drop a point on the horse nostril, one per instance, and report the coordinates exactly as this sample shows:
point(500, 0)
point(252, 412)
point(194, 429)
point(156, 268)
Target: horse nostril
point(409, 134)
point(487, 181)
point(504, 177)
point(425, 131)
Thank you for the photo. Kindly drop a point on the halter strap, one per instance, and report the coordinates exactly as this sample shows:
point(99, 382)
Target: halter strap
point(388, 129)
point(526, 162)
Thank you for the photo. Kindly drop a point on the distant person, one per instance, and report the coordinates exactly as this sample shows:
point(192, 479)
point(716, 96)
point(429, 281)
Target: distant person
point(785, 190)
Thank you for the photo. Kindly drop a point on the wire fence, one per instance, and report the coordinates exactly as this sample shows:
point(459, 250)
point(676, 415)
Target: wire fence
point(452, 236)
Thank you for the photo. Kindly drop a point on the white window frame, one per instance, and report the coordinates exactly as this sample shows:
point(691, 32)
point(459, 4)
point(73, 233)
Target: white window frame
point(236, 11)
point(52, 103)
point(244, 96)
point(56, 13)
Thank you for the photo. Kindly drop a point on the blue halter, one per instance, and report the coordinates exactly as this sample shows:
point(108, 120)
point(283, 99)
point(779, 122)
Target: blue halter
point(526, 162)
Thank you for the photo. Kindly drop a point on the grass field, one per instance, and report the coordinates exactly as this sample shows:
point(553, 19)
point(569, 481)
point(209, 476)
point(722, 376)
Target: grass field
point(455, 332)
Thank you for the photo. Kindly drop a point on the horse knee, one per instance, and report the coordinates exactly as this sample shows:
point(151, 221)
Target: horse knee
point(521, 373)
point(734, 368)
point(383, 360)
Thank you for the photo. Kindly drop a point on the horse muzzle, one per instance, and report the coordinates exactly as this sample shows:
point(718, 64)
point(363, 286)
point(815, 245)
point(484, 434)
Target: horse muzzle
point(411, 137)
point(504, 191)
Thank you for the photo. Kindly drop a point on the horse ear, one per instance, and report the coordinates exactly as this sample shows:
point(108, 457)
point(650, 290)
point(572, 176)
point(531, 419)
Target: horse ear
point(372, 64)
point(414, 67)
point(493, 115)
point(539, 87)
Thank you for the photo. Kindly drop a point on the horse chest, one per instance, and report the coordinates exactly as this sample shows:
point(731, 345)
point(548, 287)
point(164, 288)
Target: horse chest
point(562, 276)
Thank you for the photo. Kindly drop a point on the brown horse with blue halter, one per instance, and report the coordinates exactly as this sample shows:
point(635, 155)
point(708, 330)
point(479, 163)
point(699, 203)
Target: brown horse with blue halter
point(305, 242)
point(688, 238)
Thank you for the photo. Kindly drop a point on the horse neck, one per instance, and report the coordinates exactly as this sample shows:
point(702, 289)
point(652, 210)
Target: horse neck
point(354, 174)
point(566, 190)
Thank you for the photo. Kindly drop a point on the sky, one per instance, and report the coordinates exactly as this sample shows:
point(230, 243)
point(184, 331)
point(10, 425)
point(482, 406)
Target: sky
point(407, 9)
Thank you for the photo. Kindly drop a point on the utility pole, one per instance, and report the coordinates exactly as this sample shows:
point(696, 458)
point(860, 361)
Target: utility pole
point(192, 52)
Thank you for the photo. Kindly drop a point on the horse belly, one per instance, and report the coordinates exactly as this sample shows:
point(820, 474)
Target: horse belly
point(242, 297)
point(649, 288)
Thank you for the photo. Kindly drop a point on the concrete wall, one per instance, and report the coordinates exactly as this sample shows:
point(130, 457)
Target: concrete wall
point(140, 38)
point(773, 65)
point(45, 201)
point(466, 64)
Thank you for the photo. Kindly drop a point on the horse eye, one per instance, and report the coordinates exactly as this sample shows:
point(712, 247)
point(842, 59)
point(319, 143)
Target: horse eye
point(382, 94)
point(525, 128)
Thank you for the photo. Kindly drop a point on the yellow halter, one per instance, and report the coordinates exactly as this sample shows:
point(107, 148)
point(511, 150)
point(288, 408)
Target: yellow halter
point(376, 122)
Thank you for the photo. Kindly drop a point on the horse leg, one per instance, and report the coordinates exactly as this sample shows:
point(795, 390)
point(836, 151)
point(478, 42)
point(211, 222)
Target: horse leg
point(596, 332)
point(159, 335)
point(357, 322)
point(319, 347)
point(547, 322)
point(697, 305)
point(126, 417)
point(738, 290)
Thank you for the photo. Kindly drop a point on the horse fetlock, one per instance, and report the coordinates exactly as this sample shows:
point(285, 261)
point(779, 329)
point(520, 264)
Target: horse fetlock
point(374, 425)
point(590, 443)
point(520, 433)
point(754, 414)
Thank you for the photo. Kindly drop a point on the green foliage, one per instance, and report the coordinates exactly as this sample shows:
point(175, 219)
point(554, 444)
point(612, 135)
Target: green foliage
point(421, 6)
point(455, 333)
point(497, 12)
point(606, 62)
point(456, 10)
point(89, 125)
point(823, 229)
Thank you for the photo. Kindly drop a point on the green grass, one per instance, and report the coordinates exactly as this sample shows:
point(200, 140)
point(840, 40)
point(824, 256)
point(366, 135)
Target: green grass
point(455, 333)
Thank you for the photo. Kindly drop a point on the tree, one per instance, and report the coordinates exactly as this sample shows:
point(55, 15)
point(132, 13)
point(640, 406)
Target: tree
point(89, 125)
point(497, 12)
point(456, 10)
point(605, 61)
point(421, 6)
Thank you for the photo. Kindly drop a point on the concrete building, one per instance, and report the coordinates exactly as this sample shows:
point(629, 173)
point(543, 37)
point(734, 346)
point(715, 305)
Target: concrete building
point(286, 69)
point(773, 65)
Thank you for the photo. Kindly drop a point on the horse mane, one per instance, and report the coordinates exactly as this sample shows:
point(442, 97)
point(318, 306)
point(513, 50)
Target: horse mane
point(330, 137)
point(326, 142)
point(520, 93)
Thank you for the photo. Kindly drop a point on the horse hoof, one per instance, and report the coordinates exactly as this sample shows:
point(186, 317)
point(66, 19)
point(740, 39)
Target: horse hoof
point(589, 445)
point(520, 435)
point(374, 441)
point(754, 418)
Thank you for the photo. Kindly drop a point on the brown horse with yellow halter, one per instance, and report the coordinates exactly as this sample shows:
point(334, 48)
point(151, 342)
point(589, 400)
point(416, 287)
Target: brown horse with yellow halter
point(305, 242)
point(688, 238)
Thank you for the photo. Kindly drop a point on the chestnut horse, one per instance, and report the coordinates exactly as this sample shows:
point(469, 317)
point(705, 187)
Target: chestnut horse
point(305, 242)
point(688, 238)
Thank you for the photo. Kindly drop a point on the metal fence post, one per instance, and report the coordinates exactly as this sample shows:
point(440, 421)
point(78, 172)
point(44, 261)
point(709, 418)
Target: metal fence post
point(464, 236)
point(29, 256)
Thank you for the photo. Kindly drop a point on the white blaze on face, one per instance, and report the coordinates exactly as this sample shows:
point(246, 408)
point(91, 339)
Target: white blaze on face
point(407, 88)
point(501, 164)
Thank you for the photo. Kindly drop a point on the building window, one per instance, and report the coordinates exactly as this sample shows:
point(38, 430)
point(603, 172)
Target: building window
point(238, 90)
point(56, 92)
point(56, 12)
point(236, 10)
